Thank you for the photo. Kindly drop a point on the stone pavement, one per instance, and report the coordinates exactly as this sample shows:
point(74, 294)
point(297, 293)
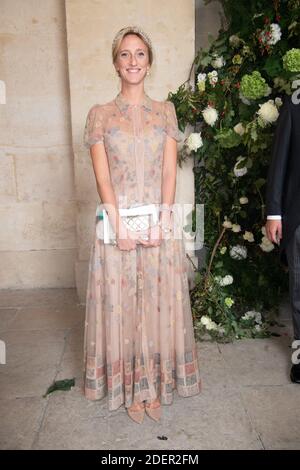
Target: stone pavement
point(247, 401)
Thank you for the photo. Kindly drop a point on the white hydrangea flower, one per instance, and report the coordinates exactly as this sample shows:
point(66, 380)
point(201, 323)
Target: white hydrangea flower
point(266, 245)
point(239, 128)
point(194, 141)
point(238, 252)
point(204, 320)
point(248, 236)
point(268, 112)
point(211, 325)
point(236, 228)
point(218, 62)
point(258, 318)
point(275, 34)
point(257, 327)
point(210, 115)
point(278, 101)
point(252, 314)
point(240, 171)
point(226, 280)
point(208, 323)
point(244, 200)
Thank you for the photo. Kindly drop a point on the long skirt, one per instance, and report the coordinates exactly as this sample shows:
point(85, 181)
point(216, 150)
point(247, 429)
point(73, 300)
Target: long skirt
point(139, 339)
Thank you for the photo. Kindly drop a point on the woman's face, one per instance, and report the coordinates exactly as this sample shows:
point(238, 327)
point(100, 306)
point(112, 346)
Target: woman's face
point(132, 59)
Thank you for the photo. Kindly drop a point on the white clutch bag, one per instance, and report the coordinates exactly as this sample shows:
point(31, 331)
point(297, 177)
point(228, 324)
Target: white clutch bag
point(135, 218)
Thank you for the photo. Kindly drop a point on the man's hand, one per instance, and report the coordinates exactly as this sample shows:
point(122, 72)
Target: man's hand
point(274, 231)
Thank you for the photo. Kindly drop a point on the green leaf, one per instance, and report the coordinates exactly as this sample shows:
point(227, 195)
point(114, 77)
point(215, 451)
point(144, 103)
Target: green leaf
point(260, 182)
point(249, 163)
point(273, 66)
point(227, 138)
point(65, 385)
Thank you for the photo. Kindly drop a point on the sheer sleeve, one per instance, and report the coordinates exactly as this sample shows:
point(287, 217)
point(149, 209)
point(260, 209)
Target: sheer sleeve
point(94, 129)
point(171, 121)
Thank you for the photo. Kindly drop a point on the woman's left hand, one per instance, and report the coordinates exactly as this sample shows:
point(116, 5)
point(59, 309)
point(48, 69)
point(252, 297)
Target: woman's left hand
point(154, 236)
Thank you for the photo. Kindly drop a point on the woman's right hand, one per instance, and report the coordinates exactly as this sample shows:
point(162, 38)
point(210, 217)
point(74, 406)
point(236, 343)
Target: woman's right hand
point(127, 242)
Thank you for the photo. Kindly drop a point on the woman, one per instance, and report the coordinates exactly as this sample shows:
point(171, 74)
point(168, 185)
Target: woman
point(139, 343)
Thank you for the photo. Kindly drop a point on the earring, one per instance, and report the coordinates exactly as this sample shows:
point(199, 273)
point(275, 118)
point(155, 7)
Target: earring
point(148, 73)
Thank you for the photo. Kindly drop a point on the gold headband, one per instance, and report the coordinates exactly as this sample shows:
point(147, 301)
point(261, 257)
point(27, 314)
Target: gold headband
point(132, 29)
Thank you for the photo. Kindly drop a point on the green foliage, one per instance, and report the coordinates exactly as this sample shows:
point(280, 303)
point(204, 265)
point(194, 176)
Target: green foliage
point(243, 75)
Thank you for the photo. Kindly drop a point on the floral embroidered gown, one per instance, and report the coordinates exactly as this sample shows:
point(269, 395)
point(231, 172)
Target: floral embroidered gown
point(139, 339)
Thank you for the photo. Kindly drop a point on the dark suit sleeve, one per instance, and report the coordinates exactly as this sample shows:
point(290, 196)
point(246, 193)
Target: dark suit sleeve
point(279, 159)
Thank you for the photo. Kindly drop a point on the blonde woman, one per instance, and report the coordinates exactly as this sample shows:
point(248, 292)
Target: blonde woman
point(139, 342)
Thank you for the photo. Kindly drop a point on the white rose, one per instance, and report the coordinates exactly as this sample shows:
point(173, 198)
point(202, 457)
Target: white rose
point(248, 236)
point(194, 141)
point(244, 200)
point(210, 115)
point(268, 112)
point(236, 228)
point(227, 224)
point(239, 128)
point(266, 245)
point(240, 171)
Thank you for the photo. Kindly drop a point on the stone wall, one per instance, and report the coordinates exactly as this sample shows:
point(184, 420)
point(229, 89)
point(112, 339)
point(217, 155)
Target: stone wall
point(37, 198)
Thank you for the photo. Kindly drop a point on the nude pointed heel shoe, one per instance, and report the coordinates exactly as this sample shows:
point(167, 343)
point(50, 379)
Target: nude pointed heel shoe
point(136, 412)
point(153, 410)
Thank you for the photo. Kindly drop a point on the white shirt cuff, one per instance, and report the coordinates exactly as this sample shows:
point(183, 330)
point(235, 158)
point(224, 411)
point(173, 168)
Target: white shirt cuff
point(273, 217)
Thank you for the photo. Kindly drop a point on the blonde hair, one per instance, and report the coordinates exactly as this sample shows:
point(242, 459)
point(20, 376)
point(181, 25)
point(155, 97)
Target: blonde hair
point(131, 30)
